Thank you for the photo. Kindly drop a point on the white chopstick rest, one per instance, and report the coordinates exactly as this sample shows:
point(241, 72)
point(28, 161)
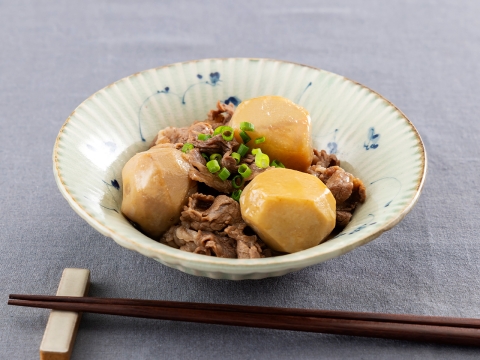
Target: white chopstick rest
point(59, 336)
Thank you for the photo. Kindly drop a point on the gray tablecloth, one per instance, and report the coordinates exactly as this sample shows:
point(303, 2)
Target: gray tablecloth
point(423, 56)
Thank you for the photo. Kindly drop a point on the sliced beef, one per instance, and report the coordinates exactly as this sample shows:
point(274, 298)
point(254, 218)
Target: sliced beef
point(347, 190)
point(197, 128)
point(208, 213)
point(194, 156)
point(180, 237)
point(221, 115)
point(199, 172)
point(247, 246)
point(341, 185)
point(169, 237)
point(255, 171)
point(323, 173)
point(185, 238)
point(171, 135)
point(214, 226)
point(249, 160)
point(215, 244)
point(229, 162)
point(182, 135)
point(343, 218)
point(216, 144)
point(359, 193)
point(199, 242)
point(323, 159)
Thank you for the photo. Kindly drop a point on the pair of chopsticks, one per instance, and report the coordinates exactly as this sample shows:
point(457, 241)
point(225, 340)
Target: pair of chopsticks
point(446, 330)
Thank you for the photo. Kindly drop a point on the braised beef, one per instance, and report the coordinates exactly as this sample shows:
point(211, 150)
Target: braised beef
point(343, 218)
point(172, 135)
point(247, 246)
point(341, 185)
point(169, 237)
point(347, 190)
point(220, 246)
point(221, 115)
point(249, 160)
point(196, 129)
point(214, 226)
point(323, 159)
point(229, 162)
point(205, 212)
point(216, 144)
point(199, 172)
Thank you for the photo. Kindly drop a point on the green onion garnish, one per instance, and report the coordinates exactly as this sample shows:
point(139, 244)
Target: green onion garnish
point(246, 126)
point(204, 137)
point(213, 166)
point(244, 171)
point(187, 147)
point(256, 151)
point(260, 140)
point(278, 164)
point(242, 150)
point(245, 137)
point(236, 156)
point(235, 184)
point(227, 133)
point(236, 195)
point(205, 156)
point(216, 156)
point(262, 160)
point(218, 130)
point(224, 174)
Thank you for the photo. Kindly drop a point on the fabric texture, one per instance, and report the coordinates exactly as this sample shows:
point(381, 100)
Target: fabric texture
point(421, 55)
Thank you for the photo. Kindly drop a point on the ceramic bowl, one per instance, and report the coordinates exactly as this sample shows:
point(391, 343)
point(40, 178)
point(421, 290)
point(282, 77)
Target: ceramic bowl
point(373, 139)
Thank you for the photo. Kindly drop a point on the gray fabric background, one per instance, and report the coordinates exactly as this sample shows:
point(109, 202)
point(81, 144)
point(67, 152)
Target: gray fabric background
point(422, 55)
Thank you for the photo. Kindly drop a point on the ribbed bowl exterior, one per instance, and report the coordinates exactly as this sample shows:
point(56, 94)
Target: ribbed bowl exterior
point(372, 138)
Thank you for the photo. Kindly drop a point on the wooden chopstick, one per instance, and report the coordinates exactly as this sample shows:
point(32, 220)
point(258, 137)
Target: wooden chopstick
point(390, 326)
point(365, 316)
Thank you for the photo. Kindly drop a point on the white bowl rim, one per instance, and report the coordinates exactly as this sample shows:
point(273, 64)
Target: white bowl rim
point(210, 263)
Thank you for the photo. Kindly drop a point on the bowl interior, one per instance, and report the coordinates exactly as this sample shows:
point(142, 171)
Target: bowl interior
point(370, 136)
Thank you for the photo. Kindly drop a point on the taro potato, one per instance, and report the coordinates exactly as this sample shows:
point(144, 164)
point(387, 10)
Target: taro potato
point(290, 210)
point(285, 125)
point(156, 186)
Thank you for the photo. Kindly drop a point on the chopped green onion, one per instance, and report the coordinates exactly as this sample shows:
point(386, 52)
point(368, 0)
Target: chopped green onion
point(236, 156)
point(244, 171)
point(256, 151)
point(227, 133)
point(236, 195)
point(224, 174)
point(216, 156)
point(213, 166)
point(242, 150)
point(204, 137)
point(187, 147)
point(277, 164)
point(205, 156)
point(218, 130)
point(262, 160)
point(245, 137)
point(235, 184)
point(246, 126)
point(260, 140)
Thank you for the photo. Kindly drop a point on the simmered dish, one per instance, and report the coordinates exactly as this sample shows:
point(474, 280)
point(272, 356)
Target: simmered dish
point(244, 183)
